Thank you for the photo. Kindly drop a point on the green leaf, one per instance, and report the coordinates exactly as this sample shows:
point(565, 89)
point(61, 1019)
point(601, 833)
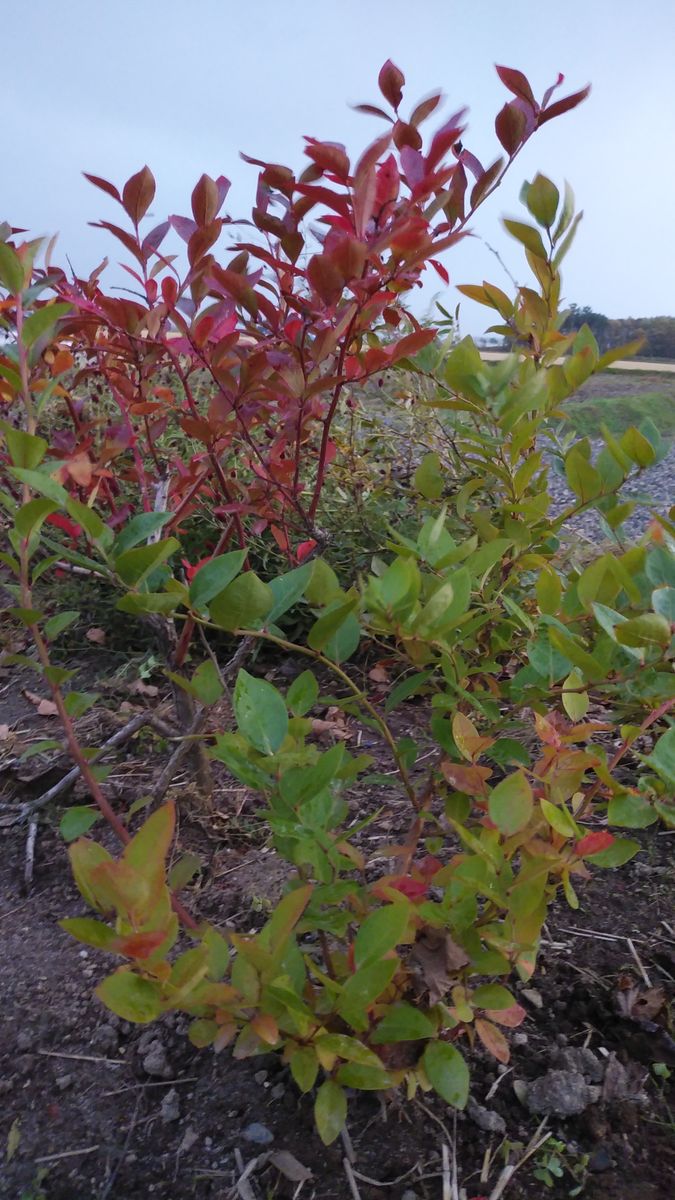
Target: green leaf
point(366, 1079)
point(25, 449)
point(304, 1067)
point(662, 757)
point(323, 585)
point(302, 694)
point(348, 1048)
point(620, 852)
point(78, 703)
point(94, 527)
point(630, 811)
point(11, 269)
point(56, 625)
point(76, 821)
point(663, 603)
point(91, 932)
point(403, 1023)
point(206, 685)
point(649, 629)
point(636, 446)
point(330, 1111)
point(592, 669)
point(528, 236)
point(327, 625)
point(448, 603)
point(42, 321)
point(582, 477)
point(131, 997)
point(40, 481)
point(427, 479)
point(288, 589)
point(243, 604)
point(542, 198)
point(660, 567)
point(559, 819)
point(260, 712)
point(363, 988)
point(447, 1072)
point(139, 529)
point(215, 576)
point(149, 602)
point(381, 932)
point(574, 702)
point(492, 995)
point(134, 566)
point(549, 591)
point(510, 803)
point(185, 869)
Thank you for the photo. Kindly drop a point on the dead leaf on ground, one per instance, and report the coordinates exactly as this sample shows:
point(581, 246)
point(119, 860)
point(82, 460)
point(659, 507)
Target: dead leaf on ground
point(641, 1004)
point(4, 733)
point(438, 960)
point(96, 635)
point(290, 1167)
point(333, 725)
point(140, 688)
point(45, 707)
point(379, 673)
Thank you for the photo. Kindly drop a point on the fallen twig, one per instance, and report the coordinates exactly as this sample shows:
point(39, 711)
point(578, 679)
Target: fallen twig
point(118, 739)
point(30, 855)
point(353, 1186)
point(112, 1062)
point(47, 1158)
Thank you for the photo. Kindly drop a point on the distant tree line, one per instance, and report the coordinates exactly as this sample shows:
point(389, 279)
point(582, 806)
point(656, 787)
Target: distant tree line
point(658, 332)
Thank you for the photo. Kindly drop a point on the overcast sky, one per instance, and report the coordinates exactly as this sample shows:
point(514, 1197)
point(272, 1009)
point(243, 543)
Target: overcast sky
point(184, 85)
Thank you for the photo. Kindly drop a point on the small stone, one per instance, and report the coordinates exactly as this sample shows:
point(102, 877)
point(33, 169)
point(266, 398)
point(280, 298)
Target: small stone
point(278, 1091)
point(533, 996)
point(260, 1076)
point(582, 1060)
point(560, 1093)
point(169, 1109)
point(409, 1195)
point(63, 1082)
point(519, 1039)
point(259, 1134)
point(24, 1041)
point(105, 1039)
point(485, 1118)
point(155, 1061)
point(600, 1161)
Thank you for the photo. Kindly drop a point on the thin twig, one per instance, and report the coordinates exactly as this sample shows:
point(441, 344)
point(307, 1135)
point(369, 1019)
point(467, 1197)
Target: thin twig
point(169, 771)
point(106, 1190)
point(353, 1186)
point(30, 855)
point(118, 739)
point(47, 1158)
point(112, 1062)
point(638, 962)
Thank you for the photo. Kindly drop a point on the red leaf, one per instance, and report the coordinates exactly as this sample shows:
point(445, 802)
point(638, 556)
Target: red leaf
point(511, 1017)
point(169, 290)
point(493, 1039)
point(372, 111)
point(304, 549)
point(391, 82)
point(440, 270)
point(593, 843)
point(104, 186)
point(517, 83)
point(510, 126)
point(329, 156)
point(138, 194)
point(564, 105)
point(414, 889)
point(411, 344)
point(444, 139)
point(205, 200)
point(425, 108)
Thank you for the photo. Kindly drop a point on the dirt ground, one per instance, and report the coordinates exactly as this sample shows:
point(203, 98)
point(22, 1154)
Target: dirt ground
point(95, 1109)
